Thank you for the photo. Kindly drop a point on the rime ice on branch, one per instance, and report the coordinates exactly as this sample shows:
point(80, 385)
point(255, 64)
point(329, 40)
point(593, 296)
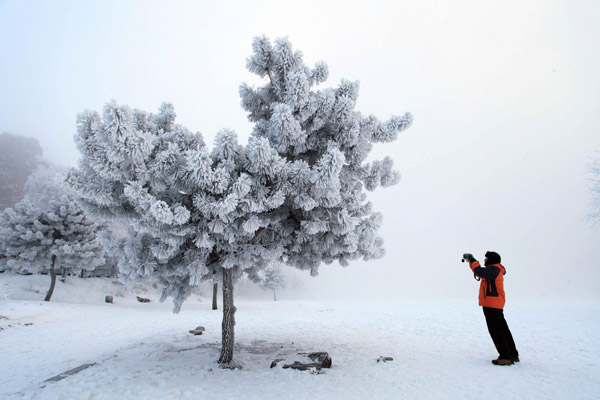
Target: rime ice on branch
point(295, 193)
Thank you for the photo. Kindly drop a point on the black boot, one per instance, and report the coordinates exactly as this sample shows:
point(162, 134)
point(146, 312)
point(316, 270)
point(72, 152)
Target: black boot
point(503, 361)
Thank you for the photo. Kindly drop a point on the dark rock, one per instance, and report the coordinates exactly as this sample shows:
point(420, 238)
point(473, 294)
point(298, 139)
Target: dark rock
point(385, 359)
point(142, 299)
point(318, 361)
point(70, 372)
point(321, 358)
point(197, 331)
point(301, 366)
point(274, 363)
point(108, 299)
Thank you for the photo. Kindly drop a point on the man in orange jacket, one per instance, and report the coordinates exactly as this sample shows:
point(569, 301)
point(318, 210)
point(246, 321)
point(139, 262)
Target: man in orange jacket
point(492, 299)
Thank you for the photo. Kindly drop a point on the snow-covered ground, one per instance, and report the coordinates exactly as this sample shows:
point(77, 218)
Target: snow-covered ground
point(441, 349)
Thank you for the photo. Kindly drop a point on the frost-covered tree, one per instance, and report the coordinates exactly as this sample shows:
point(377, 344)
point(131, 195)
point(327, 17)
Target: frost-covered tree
point(46, 185)
point(295, 193)
point(48, 230)
point(270, 278)
point(19, 157)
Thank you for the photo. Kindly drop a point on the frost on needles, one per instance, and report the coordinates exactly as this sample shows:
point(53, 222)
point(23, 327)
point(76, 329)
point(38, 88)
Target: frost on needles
point(48, 230)
point(294, 194)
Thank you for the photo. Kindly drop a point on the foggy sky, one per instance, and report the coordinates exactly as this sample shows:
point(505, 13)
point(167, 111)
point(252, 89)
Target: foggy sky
point(506, 99)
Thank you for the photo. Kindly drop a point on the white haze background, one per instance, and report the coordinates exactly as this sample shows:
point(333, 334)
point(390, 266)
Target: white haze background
point(506, 99)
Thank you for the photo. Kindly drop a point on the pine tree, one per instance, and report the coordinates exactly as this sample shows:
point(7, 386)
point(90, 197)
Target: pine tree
point(295, 193)
point(270, 278)
point(48, 230)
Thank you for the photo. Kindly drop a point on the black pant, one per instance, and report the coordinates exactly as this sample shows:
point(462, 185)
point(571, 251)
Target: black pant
point(500, 333)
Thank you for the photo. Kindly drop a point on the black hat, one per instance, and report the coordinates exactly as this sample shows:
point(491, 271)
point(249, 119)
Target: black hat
point(492, 258)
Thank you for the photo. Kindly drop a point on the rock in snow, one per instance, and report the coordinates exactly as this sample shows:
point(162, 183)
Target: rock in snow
point(142, 299)
point(70, 372)
point(318, 360)
point(197, 331)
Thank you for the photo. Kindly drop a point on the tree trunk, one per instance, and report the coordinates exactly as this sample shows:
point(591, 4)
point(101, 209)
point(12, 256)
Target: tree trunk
point(228, 318)
point(274, 295)
point(52, 280)
point(215, 291)
point(64, 275)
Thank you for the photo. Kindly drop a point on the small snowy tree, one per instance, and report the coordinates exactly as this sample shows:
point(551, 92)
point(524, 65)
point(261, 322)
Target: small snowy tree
point(48, 230)
point(293, 194)
point(270, 278)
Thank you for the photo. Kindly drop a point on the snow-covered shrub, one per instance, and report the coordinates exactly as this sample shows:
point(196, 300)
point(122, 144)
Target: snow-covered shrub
point(48, 230)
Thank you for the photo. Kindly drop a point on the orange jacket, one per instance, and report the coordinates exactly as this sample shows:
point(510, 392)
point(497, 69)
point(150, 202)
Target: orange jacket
point(491, 289)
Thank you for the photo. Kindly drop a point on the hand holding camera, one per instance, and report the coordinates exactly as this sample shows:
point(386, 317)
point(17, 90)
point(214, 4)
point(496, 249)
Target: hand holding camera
point(468, 257)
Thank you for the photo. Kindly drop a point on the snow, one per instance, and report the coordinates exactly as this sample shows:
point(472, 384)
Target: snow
point(441, 348)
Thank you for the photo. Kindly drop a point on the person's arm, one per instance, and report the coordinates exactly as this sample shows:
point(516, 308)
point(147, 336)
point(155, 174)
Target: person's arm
point(490, 273)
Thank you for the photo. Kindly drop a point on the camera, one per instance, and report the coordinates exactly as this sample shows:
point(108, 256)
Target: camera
point(467, 257)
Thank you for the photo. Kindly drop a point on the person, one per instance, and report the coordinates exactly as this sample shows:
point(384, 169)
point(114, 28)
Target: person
point(492, 299)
